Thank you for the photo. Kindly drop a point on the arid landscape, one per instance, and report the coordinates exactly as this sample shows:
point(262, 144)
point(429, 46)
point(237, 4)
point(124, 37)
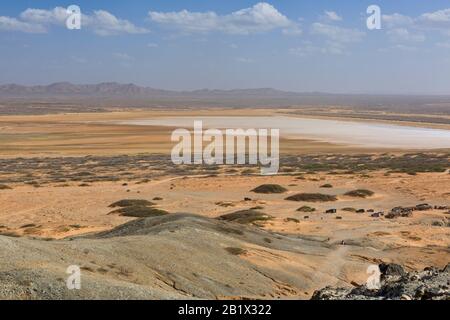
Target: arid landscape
point(89, 189)
point(235, 158)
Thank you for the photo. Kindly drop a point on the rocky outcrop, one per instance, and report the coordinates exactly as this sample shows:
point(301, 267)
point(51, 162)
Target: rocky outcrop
point(396, 284)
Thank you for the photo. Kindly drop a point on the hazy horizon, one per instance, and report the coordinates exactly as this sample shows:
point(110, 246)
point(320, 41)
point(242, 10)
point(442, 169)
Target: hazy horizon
point(212, 89)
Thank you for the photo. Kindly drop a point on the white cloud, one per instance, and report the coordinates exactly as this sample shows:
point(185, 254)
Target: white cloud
point(445, 45)
point(262, 17)
point(336, 33)
point(122, 56)
point(13, 24)
point(104, 23)
point(440, 16)
point(39, 20)
point(397, 20)
point(331, 16)
point(336, 38)
point(308, 49)
point(78, 59)
point(437, 20)
point(152, 45)
point(402, 35)
point(295, 30)
point(244, 60)
point(400, 47)
point(56, 16)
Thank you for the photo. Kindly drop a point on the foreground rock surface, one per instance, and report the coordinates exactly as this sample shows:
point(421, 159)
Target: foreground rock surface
point(177, 256)
point(396, 284)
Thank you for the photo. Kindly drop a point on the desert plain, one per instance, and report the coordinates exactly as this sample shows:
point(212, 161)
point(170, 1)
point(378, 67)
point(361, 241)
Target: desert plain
point(204, 232)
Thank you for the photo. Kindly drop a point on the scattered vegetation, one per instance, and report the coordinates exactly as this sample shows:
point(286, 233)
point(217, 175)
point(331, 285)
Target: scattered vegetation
point(326, 185)
point(143, 168)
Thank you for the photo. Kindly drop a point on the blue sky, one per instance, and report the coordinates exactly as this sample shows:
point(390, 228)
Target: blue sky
point(184, 45)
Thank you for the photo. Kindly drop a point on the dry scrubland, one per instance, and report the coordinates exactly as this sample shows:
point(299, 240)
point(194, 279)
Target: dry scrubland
point(75, 191)
point(216, 231)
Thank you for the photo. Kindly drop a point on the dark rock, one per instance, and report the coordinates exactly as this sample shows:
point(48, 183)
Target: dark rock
point(438, 223)
point(391, 269)
point(400, 212)
point(423, 207)
point(376, 214)
point(396, 284)
point(331, 211)
point(360, 211)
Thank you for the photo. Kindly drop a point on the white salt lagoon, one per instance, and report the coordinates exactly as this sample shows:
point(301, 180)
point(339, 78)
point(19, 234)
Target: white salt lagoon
point(366, 134)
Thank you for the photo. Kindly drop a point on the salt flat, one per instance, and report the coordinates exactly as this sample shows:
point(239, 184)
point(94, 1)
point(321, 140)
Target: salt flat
point(355, 133)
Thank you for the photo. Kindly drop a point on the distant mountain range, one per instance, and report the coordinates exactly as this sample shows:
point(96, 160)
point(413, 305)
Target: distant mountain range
point(117, 89)
point(131, 95)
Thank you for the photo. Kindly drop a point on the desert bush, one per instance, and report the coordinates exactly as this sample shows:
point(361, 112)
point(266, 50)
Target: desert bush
point(269, 188)
point(131, 202)
point(360, 193)
point(139, 212)
point(312, 197)
point(246, 216)
point(236, 251)
point(306, 209)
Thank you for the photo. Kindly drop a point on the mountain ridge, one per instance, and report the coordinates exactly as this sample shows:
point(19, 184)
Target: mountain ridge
point(115, 88)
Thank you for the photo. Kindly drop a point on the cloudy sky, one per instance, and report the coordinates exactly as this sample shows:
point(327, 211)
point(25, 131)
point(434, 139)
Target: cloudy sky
point(183, 45)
